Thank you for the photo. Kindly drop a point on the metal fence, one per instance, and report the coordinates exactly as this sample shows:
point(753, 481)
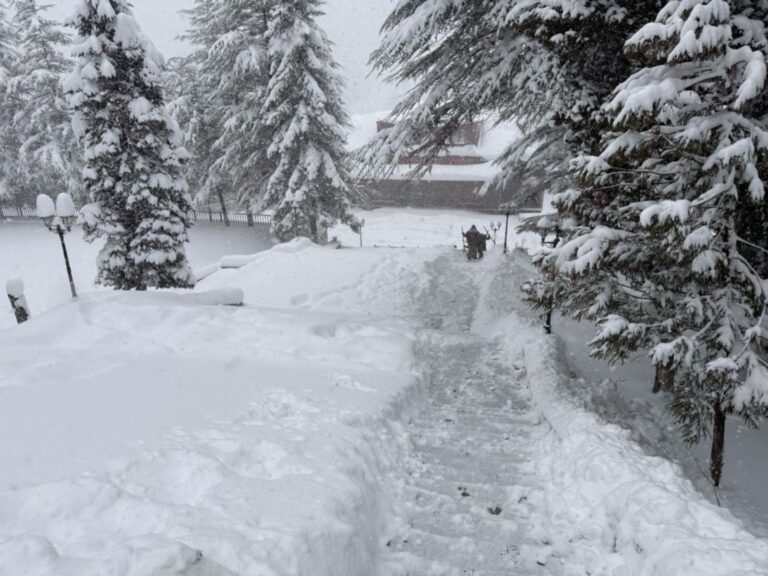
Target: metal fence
point(17, 212)
point(249, 218)
point(465, 206)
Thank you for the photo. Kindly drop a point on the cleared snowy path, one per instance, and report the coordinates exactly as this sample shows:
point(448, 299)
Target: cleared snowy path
point(505, 474)
point(470, 493)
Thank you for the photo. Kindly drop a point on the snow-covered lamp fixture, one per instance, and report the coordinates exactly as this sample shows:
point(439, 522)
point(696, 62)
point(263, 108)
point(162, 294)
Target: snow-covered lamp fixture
point(58, 218)
point(46, 210)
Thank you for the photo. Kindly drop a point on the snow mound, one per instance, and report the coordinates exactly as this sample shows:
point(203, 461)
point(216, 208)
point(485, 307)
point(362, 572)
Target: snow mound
point(295, 245)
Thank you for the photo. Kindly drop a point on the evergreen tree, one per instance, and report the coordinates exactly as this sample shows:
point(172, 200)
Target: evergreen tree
point(546, 64)
point(310, 187)
point(133, 154)
point(191, 108)
point(46, 158)
point(8, 149)
point(654, 254)
point(224, 125)
point(7, 45)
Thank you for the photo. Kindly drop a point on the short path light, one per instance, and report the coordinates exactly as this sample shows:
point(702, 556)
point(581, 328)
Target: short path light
point(58, 218)
point(15, 290)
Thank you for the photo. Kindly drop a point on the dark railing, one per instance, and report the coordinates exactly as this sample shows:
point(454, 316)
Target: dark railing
point(466, 206)
point(248, 218)
point(17, 212)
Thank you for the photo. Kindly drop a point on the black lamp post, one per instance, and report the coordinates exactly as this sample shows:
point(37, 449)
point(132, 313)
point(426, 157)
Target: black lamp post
point(58, 218)
point(507, 212)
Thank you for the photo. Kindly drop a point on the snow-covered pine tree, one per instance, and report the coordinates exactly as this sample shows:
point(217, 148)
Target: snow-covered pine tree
point(310, 187)
point(459, 60)
point(657, 258)
point(546, 64)
point(753, 220)
point(133, 153)
point(229, 143)
point(47, 159)
point(7, 44)
point(190, 106)
point(8, 140)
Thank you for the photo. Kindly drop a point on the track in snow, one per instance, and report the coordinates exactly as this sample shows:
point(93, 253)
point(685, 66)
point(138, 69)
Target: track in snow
point(472, 498)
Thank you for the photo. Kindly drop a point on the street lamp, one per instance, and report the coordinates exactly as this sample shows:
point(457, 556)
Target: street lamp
point(58, 218)
point(507, 212)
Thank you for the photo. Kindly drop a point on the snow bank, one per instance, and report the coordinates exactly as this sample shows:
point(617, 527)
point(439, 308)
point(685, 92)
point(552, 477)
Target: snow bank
point(153, 435)
point(619, 510)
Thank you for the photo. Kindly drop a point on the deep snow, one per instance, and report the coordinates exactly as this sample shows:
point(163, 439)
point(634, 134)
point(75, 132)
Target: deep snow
point(143, 421)
point(307, 432)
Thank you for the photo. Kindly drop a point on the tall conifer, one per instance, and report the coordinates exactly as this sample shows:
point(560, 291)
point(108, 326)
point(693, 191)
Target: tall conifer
point(133, 152)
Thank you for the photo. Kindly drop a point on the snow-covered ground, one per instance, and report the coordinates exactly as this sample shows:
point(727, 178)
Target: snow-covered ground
point(622, 394)
point(142, 428)
point(415, 227)
point(330, 427)
point(32, 253)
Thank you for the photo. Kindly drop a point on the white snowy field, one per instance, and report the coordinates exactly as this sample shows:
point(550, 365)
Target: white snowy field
point(32, 253)
point(417, 227)
point(151, 435)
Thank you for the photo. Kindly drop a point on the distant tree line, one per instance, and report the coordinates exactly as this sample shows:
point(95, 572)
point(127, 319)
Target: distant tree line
point(38, 150)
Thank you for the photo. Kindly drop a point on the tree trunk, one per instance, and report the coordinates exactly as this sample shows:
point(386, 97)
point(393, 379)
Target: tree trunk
point(718, 446)
point(223, 206)
point(548, 321)
point(664, 379)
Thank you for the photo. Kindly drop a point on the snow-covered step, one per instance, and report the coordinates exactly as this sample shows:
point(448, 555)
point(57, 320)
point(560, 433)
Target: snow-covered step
point(471, 492)
point(468, 506)
point(468, 555)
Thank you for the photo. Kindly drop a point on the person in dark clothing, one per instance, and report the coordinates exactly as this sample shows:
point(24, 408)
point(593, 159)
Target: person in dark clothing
point(473, 242)
point(482, 246)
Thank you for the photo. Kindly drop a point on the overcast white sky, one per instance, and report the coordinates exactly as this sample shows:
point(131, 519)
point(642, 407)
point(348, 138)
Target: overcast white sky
point(352, 24)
